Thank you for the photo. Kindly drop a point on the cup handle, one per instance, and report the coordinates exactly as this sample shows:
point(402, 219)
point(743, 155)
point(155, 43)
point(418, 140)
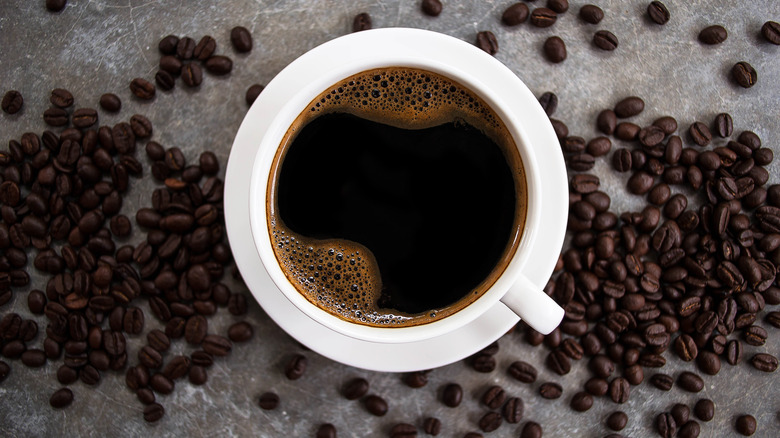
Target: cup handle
point(533, 306)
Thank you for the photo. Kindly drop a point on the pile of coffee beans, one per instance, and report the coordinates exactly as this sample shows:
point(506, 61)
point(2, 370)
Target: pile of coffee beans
point(61, 196)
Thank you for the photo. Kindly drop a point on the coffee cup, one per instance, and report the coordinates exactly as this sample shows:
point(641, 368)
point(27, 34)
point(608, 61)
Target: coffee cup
point(393, 53)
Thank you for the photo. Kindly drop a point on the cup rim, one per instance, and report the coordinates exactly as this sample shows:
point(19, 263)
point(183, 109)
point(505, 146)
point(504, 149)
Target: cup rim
point(399, 57)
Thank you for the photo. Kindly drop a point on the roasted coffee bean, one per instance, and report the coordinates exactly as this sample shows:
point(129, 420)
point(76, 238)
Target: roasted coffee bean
point(240, 332)
point(764, 362)
point(241, 39)
point(543, 17)
point(744, 74)
point(723, 125)
point(55, 117)
point(149, 357)
point(771, 32)
point(164, 80)
point(708, 362)
point(171, 64)
point(205, 48)
point(431, 426)
point(89, 375)
point(361, 22)
point(704, 409)
point(606, 121)
point(685, 347)
point(452, 395)
point(617, 420)
point(133, 322)
point(295, 367)
point(515, 14)
point(487, 41)
point(629, 107)
point(355, 388)
point(755, 335)
point(167, 45)
point(554, 49)
point(375, 405)
point(665, 425)
point(658, 12)
point(142, 89)
point(640, 183)
point(196, 329)
point(531, 429)
point(605, 40)
point(523, 371)
point(61, 398)
point(734, 352)
point(61, 98)
point(690, 382)
point(12, 102)
point(33, 358)
point(219, 65)
point(217, 345)
point(490, 421)
point(84, 118)
point(714, 34)
point(161, 384)
point(191, 74)
point(513, 410)
point(431, 7)
point(403, 430)
point(619, 390)
point(110, 102)
point(550, 390)
point(581, 402)
point(663, 382)
point(700, 133)
point(559, 6)
point(153, 412)
point(746, 424)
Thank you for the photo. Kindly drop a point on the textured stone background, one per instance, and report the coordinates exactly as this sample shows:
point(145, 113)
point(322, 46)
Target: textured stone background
point(98, 46)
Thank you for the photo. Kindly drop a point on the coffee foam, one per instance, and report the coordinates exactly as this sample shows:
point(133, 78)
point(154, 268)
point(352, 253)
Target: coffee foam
point(341, 276)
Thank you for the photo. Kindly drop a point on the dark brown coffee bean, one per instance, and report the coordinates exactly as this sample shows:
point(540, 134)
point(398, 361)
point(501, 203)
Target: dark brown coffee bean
point(196, 329)
point(771, 32)
point(640, 183)
point(723, 125)
point(452, 395)
point(663, 382)
point(515, 14)
point(403, 430)
point(241, 39)
point(34, 358)
point(61, 398)
point(375, 405)
point(619, 390)
point(55, 117)
point(712, 35)
point(606, 121)
point(142, 89)
point(361, 22)
point(205, 48)
point(658, 12)
point(153, 412)
point(164, 80)
point(110, 102)
point(704, 409)
point(295, 367)
point(167, 45)
point(744, 74)
point(680, 413)
point(708, 362)
point(89, 375)
point(690, 382)
point(83, 118)
point(531, 429)
point(150, 357)
point(665, 425)
point(543, 17)
point(12, 102)
point(240, 332)
point(61, 98)
point(487, 41)
point(522, 371)
point(133, 322)
point(431, 8)
point(191, 74)
point(746, 424)
point(581, 402)
point(700, 134)
point(764, 362)
point(629, 107)
point(550, 390)
point(219, 65)
point(355, 388)
point(217, 345)
point(554, 49)
point(734, 352)
point(605, 40)
point(490, 421)
point(513, 410)
point(617, 420)
point(755, 335)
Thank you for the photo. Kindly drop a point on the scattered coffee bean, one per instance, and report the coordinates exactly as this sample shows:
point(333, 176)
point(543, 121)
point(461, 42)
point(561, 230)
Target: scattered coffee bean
point(658, 12)
point(241, 39)
point(704, 409)
point(513, 410)
point(487, 41)
point(581, 402)
point(764, 362)
point(744, 74)
point(12, 102)
point(605, 40)
point(269, 401)
point(515, 14)
point(543, 17)
point(550, 390)
point(432, 426)
point(452, 395)
point(771, 32)
point(361, 22)
point(61, 98)
point(375, 405)
point(56, 5)
point(219, 65)
point(665, 425)
point(296, 367)
point(531, 430)
point(663, 382)
point(355, 388)
point(431, 8)
point(142, 89)
point(746, 425)
point(153, 412)
point(326, 430)
point(554, 49)
point(252, 92)
point(591, 14)
point(61, 398)
point(629, 107)
point(712, 35)
point(617, 420)
point(690, 382)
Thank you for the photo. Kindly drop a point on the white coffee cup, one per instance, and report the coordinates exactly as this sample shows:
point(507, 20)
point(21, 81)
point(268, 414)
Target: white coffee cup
point(308, 76)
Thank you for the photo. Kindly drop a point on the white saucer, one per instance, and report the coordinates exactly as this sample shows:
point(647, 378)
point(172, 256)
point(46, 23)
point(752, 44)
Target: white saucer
point(399, 357)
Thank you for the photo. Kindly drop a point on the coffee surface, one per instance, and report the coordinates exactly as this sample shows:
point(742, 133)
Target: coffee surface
point(397, 198)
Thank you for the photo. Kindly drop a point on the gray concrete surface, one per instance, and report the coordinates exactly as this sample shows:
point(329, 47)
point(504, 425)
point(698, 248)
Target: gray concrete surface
point(97, 46)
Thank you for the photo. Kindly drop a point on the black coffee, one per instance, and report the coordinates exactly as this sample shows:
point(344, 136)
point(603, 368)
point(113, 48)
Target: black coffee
point(397, 198)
